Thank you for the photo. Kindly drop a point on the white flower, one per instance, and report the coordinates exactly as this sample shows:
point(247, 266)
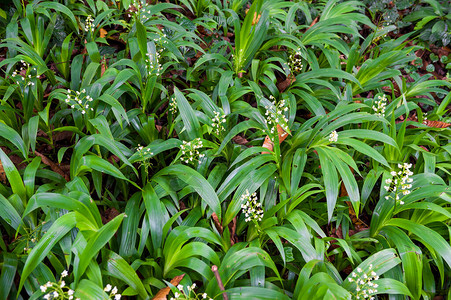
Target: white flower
point(70, 292)
point(62, 284)
point(43, 288)
point(180, 287)
point(47, 296)
point(114, 291)
point(55, 294)
point(393, 173)
point(333, 137)
point(117, 297)
point(64, 274)
point(204, 295)
point(107, 288)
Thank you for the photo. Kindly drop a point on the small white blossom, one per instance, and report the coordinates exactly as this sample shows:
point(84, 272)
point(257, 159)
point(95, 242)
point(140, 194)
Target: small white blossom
point(275, 115)
point(252, 209)
point(107, 288)
point(217, 122)
point(333, 137)
point(190, 150)
point(380, 105)
point(401, 181)
point(295, 62)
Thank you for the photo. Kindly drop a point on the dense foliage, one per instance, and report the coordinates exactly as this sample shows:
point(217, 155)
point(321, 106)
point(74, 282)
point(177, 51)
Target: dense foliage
point(271, 149)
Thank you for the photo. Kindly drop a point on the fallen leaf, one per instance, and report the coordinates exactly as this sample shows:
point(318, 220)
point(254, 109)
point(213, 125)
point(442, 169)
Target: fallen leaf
point(217, 223)
point(2, 173)
point(282, 86)
point(436, 124)
point(52, 165)
point(268, 144)
point(161, 295)
point(103, 33)
point(256, 18)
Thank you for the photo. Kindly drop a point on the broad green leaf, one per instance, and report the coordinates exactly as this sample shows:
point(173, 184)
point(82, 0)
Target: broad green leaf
point(95, 243)
point(58, 229)
point(197, 182)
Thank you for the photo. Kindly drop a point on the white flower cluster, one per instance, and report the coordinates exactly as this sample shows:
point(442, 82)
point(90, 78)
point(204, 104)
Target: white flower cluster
point(295, 61)
point(79, 100)
point(379, 105)
point(333, 137)
point(113, 292)
point(58, 290)
point(139, 7)
point(153, 65)
point(275, 115)
point(89, 26)
point(252, 209)
point(145, 155)
point(172, 105)
point(400, 182)
point(26, 79)
point(365, 287)
point(143, 151)
point(182, 295)
point(425, 118)
point(190, 150)
point(217, 122)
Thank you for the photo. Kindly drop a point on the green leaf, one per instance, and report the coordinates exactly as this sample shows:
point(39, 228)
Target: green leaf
point(247, 292)
point(95, 243)
point(330, 178)
point(13, 176)
point(58, 229)
point(189, 118)
point(11, 135)
point(197, 182)
point(155, 215)
point(90, 291)
point(427, 235)
point(119, 268)
point(141, 35)
point(9, 268)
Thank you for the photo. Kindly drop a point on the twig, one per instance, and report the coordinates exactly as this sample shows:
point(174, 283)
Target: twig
point(214, 268)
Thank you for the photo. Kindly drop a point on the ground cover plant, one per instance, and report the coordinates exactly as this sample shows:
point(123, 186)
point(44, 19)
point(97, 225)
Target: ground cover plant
point(210, 149)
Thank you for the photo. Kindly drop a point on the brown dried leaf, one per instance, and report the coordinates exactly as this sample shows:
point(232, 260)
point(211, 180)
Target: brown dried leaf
point(268, 144)
point(239, 140)
point(161, 295)
point(232, 227)
point(217, 223)
point(52, 165)
point(256, 18)
point(314, 22)
point(282, 86)
point(103, 33)
point(436, 124)
point(2, 173)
